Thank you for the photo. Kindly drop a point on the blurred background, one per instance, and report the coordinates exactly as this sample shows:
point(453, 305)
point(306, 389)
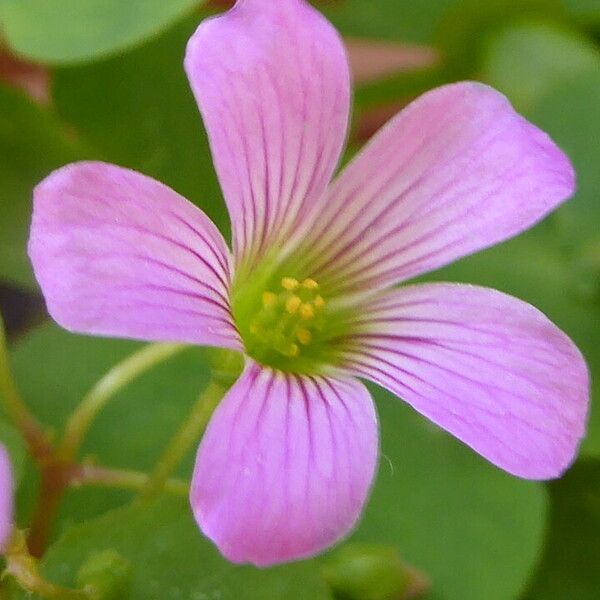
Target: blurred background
point(103, 79)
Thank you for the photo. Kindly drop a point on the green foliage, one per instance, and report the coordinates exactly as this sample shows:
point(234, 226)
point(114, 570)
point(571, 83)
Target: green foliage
point(170, 560)
point(554, 54)
point(32, 143)
point(395, 20)
point(463, 32)
point(12, 441)
point(570, 567)
point(58, 31)
point(138, 110)
point(569, 112)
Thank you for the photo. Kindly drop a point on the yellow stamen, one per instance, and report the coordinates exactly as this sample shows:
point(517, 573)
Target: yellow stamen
point(289, 283)
point(307, 311)
point(293, 304)
point(269, 300)
point(310, 284)
point(319, 302)
point(304, 336)
point(292, 351)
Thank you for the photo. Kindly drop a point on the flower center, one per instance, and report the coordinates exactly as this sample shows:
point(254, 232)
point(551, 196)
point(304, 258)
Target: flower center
point(288, 320)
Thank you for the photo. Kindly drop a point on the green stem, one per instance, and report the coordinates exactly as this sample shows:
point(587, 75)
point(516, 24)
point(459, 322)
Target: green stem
point(185, 438)
point(30, 428)
point(24, 569)
point(99, 396)
point(126, 479)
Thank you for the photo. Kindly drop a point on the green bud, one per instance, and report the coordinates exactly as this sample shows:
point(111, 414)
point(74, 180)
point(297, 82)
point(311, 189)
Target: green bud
point(372, 572)
point(105, 576)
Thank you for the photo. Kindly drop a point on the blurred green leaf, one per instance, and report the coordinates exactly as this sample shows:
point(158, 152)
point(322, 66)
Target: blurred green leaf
point(135, 427)
point(569, 113)
point(534, 268)
point(465, 28)
point(171, 560)
point(586, 10)
point(32, 143)
point(399, 20)
point(54, 31)
point(13, 442)
point(139, 111)
point(473, 530)
point(525, 60)
point(570, 567)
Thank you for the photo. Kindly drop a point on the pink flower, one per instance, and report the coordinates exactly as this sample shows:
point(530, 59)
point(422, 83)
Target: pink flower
point(6, 498)
point(288, 458)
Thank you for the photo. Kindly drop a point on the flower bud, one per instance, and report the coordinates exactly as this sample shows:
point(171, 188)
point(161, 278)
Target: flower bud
point(372, 572)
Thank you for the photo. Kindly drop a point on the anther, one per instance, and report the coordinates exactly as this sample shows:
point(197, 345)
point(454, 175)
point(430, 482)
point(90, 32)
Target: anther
point(319, 302)
point(304, 336)
point(289, 283)
point(293, 304)
point(307, 311)
point(292, 351)
point(310, 284)
point(269, 300)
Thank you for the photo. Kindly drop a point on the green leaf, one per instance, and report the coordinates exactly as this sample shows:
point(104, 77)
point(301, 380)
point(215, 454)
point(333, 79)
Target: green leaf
point(32, 143)
point(474, 531)
point(526, 59)
point(55, 31)
point(569, 113)
point(585, 10)
point(138, 109)
point(533, 267)
point(396, 20)
point(570, 566)
point(465, 28)
point(54, 369)
point(170, 559)
point(13, 442)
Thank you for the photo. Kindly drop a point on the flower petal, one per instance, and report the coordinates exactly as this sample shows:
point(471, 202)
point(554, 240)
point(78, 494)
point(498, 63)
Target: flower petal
point(285, 465)
point(456, 171)
point(117, 253)
point(272, 82)
point(489, 368)
point(6, 497)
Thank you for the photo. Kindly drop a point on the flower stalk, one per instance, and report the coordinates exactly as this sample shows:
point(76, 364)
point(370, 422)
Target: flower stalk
point(123, 478)
point(32, 431)
point(116, 379)
point(185, 438)
point(24, 569)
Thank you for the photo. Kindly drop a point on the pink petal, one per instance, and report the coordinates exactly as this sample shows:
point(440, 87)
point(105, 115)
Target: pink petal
point(489, 368)
point(6, 497)
point(456, 171)
point(285, 465)
point(117, 253)
point(272, 82)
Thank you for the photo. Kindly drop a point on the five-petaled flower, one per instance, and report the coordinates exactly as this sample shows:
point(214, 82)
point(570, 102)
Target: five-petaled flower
point(307, 293)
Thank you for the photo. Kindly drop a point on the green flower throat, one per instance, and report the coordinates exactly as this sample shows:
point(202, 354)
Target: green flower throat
point(289, 324)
